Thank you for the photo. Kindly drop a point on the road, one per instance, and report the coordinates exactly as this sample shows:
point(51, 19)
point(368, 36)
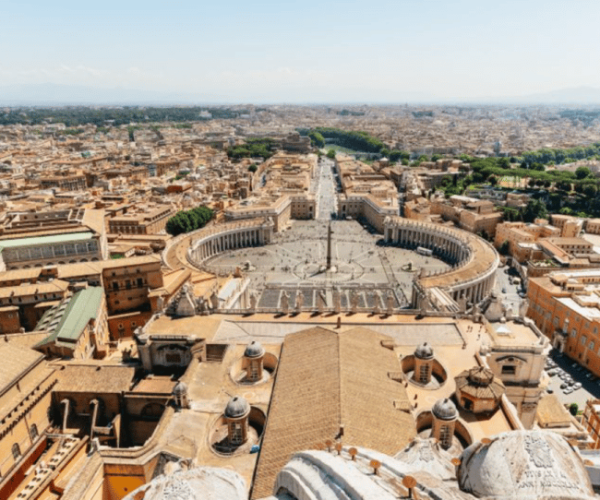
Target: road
point(510, 295)
point(326, 189)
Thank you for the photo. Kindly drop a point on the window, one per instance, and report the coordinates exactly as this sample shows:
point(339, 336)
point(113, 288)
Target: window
point(509, 370)
point(583, 340)
point(16, 451)
point(33, 432)
point(591, 346)
point(573, 332)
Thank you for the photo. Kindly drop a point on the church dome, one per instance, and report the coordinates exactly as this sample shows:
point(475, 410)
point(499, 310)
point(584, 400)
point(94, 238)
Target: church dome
point(444, 409)
point(254, 350)
point(201, 483)
point(524, 465)
point(180, 389)
point(424, 351)
point(237, 407)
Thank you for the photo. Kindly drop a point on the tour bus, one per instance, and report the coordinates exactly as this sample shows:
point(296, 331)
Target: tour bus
point(424, 251)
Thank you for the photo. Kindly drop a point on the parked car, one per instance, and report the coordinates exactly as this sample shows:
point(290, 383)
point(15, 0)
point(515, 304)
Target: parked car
point(568, 390)
point(549, 390)
point(577, 386)
point(563, 385)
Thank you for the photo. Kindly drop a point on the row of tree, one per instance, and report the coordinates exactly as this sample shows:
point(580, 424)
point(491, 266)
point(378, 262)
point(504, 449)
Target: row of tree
point(81, 115)
point(547, 156)
point(189, 220)
point(254, 148)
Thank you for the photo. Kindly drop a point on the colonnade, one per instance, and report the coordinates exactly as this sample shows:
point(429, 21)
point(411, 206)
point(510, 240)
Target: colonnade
point(231, 237)
point(473, 276)
point(441, 241)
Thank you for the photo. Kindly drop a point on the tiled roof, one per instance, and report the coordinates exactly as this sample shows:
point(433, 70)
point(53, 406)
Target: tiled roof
point(95, 379)
point(325, 380)
point(16, 360)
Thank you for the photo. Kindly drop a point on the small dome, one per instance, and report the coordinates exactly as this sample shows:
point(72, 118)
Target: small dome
point(444, 409)
point(528, 465)
point(180, 389)
point(237, 407)
point(481, 376)
point(254, 350)
point(424, 351)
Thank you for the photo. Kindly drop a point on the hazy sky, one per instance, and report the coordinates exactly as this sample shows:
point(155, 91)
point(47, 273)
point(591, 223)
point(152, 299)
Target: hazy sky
point(298, 51)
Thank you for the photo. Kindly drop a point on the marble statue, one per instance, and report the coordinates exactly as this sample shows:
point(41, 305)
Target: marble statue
point(285, 302)
point(299, 300)
point(354, 301)
point(390, 302)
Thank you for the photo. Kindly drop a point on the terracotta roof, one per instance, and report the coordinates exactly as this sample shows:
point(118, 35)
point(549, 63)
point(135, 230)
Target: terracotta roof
point(327, 379)
point(16, 361)
point(552, 413)
point(95, 378)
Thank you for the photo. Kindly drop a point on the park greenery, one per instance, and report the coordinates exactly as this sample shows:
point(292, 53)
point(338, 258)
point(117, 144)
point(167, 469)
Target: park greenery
point(116, 116)
point(355, 140)
point(189, 220)
point(253, 148)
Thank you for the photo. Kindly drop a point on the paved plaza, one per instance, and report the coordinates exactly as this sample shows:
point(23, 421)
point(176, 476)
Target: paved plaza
point(296, 258)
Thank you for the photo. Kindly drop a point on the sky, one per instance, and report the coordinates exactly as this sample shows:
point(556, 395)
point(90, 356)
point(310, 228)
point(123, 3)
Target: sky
point(304, 51)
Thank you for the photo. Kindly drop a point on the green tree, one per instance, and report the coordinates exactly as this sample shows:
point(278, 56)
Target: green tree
point(252, 168)
point(331, 154)
point(504, 247)
point(535, 209)
point(573, 409)
point(582, 172)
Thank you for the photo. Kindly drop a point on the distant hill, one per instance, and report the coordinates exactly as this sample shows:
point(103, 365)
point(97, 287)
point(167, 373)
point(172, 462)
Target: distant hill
point(49, 94)
point(574, 95)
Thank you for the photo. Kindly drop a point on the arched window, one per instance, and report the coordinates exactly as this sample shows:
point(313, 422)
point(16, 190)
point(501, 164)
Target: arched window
point(16, 451)
point(33, 432)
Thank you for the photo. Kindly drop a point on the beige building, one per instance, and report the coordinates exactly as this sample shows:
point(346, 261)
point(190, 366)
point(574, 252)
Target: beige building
point(141, 219)
point(61, 237)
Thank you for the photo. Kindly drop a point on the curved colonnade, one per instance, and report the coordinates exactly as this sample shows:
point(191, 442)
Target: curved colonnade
point(474, 260)
point(230, 236)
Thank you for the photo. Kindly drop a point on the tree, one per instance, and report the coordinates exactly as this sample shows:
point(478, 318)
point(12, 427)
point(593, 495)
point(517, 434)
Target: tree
point(590, 190)
point(535, 209)
point(573, 409)
point(563, 185)
point(252, 168)
point(190, 220)
point(582, 172)
point(493, 180)
point(331, 154)
point(504, 247)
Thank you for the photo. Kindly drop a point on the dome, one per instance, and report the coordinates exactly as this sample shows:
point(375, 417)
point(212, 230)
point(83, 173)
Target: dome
point(201, 483)
point(237, 407)
point(254, 350)
point(180, 389)
point(426, 455)
point(480, 376)
point(424, 351)
point(444, 409)
point(524, 465)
